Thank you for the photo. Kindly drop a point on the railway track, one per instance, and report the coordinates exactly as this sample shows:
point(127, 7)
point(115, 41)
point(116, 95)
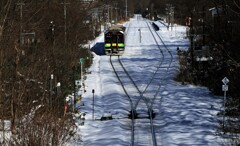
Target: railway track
point(145, 96)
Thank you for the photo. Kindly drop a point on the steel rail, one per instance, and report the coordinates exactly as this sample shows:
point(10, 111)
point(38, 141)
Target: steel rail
point(141, 93)
point(149, 108)
point(131, 104)
point(168, 67)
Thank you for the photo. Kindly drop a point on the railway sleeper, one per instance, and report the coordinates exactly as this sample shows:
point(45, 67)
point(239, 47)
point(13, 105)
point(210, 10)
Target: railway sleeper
point(146, 115)
point(152, 113)
point(105, 117)
point(134, 113)
point(138, 116)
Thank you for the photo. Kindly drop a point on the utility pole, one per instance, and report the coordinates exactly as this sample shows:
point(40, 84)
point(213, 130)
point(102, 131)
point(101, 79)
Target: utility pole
point(126, 9)
point(203, 23)
point(65, 21)
point(116, 14)
point(191, 40)
point(51, 90)
point(108, 20)
point(110, 14)
point(172, 17)
point(168, 14)
point(21, 15)
point(93, 24)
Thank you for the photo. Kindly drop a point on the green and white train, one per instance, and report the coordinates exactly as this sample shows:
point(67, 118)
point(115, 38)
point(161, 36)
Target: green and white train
point(114, 40)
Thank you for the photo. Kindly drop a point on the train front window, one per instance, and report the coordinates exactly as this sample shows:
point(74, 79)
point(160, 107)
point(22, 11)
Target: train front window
point(108, 37)
point(120, 38)
point(114, 38)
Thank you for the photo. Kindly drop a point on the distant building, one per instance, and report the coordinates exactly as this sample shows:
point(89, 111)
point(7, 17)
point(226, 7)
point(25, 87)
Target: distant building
point(216, 11)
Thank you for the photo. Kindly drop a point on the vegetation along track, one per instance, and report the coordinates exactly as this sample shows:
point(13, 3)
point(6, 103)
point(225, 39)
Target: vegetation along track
point(134, 94)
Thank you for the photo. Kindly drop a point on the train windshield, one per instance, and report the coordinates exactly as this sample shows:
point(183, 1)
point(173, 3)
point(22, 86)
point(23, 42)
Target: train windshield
point(114, 38)
point(120, 38)
point(108, 37)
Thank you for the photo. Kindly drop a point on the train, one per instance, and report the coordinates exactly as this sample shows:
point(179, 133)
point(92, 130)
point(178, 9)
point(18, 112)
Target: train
point(114, 40)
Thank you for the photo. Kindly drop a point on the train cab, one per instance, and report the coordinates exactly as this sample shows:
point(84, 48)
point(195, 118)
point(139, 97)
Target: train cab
point(114, 41)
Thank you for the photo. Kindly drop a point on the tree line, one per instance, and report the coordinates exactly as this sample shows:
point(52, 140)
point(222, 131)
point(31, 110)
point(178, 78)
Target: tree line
point(40, 48)
point(214, 25)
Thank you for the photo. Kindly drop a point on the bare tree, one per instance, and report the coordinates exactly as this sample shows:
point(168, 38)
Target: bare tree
point(30, 51)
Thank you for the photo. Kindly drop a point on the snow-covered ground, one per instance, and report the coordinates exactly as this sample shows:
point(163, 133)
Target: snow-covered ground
point(186, 115)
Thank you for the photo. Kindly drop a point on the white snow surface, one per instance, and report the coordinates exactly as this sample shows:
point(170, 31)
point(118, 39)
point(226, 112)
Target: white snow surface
point(186, 115)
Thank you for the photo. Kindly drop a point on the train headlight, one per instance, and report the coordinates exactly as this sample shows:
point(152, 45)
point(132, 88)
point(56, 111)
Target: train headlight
point(107, 45)
point(120, 45)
